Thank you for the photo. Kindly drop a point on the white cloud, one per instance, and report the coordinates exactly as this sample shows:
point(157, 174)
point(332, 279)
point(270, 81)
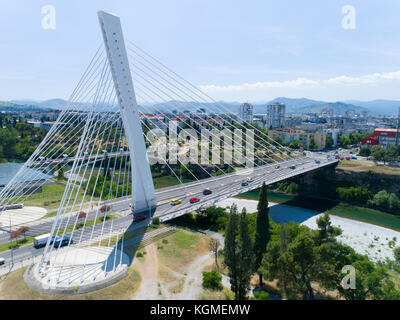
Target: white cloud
point(343, 80)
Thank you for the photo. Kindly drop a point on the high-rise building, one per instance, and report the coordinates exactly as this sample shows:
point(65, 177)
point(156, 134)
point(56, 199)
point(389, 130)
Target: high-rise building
point(276, 115)
point(246, 112)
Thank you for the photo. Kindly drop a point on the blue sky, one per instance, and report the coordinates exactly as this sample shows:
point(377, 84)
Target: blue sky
point(252, 50)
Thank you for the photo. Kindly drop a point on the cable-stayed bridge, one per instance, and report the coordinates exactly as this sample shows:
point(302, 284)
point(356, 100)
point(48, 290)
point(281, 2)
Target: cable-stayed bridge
point(116, 152)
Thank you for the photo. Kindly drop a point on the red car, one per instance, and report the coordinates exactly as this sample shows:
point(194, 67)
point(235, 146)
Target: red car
point(348, 158)
point(194, 200)
point(139, 217)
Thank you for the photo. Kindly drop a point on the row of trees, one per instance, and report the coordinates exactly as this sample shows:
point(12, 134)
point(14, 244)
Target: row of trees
point(380, 154)
point(352, 138)
point(242, 254)
point(298, 258)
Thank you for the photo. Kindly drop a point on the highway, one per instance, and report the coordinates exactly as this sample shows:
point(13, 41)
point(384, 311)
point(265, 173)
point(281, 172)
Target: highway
point(222, 187)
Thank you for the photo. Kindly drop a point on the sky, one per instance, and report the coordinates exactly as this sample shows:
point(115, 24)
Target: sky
point(234, 50)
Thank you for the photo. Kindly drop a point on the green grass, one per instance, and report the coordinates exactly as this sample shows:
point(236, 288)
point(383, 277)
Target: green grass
point(337, 208)
point(167, 181)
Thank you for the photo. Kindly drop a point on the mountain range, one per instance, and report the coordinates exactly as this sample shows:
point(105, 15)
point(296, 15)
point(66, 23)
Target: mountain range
point(300, 105)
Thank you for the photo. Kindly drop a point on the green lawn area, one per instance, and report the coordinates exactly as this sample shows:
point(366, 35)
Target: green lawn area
point(167, 181)
point(337, 208)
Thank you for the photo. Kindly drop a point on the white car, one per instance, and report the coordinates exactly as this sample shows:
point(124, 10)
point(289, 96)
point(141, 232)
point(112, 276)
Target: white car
point(2, 261)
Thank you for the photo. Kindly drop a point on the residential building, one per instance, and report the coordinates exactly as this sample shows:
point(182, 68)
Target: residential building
point(288, 136)
point(276, 115)
point(246, 112)
point(383, 137)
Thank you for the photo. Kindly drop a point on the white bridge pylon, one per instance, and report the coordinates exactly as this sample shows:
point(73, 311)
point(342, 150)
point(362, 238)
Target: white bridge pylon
point(143, 195)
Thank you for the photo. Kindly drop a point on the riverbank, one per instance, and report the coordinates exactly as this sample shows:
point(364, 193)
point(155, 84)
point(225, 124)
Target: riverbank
point(368, 215)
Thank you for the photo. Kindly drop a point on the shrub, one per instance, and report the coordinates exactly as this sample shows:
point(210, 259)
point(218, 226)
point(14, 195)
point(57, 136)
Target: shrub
point(261, 295)
point(212, 280)
point(396, 252)
point(165, 241)
point(105, 208)
point(156, 221)
point(139, 254)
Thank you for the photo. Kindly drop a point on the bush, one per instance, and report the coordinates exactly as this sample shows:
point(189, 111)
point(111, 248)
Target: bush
point(139, 254)
point(261, 295)
point(212, 280)
point(358, 194)
point(292, 188)
point(396, 252)
point(156, 221)
point(385, 201)
point(165, 241)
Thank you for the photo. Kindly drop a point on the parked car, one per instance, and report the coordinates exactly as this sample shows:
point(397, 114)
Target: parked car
point(317, 161)
point(2, 261)
point(354, 157)
point(348, 158)
point(277, 166)
point(139, 217)
point(337, 157)
point(206, 192)
point(175, 202)
point(250, 180)
point(194, 200)
point(292, 167)
point(244, 184)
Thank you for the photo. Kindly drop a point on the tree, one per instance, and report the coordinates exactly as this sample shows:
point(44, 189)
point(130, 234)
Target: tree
point(396, 253)
point(156, 221)
point(312, 145)
point(24, 230)
point(326, 232)
point(344, 140)
point(212, 280)
point(82, 215)
point(263, 232)
point(392, 153)
point(60, 174)
point(378, 153)
point(245, 256)
point(230, 250)
point(329, 141)
point(296, 144)
point(15, 235)
point(364, 152)
point(214, 245)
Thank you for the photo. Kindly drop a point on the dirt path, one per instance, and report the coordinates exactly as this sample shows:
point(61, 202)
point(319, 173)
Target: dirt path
point(192, 287)
point(148, 289)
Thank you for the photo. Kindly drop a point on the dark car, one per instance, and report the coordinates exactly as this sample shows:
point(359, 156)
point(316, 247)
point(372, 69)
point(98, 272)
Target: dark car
point(244, 184)
point(206, 192)
point(138, 217)
point(61, 242)
point(194, 200)
point(292, 167)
